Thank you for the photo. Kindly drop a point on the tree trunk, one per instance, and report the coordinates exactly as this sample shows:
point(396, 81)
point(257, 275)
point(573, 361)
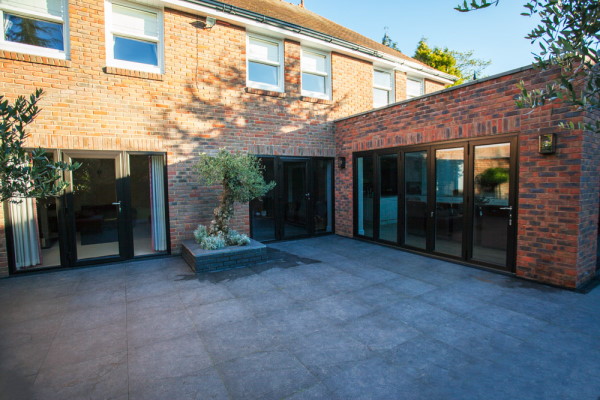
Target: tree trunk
point(223, 213)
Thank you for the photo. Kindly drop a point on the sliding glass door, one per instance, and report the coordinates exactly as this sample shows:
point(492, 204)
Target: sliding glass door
point(455, 200)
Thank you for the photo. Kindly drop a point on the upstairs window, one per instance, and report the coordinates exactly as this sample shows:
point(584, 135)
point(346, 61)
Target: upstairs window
point(414, 87)
point(383, 88)
point(265, 63)
point(134, 37)
point(34, 26)
point(316, 79)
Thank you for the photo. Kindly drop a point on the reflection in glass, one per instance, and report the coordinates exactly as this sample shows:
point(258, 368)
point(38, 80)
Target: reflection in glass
point(295, 199)
point(135, 51)
point(323, 196)
point(262, 209)
point(388, 200)
point(96, 217)
point(33, 32)
point(365, 192)
point(415, 189)
point(449, 173)
point(491, 195)
point(147, 204)
point(263, 73)
point(313, 83)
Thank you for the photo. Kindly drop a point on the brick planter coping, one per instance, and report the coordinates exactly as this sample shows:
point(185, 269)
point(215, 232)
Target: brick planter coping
point(201, 260)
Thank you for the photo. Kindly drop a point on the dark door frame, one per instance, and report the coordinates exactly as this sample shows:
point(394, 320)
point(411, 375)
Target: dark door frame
point(467, 236)
point(279, 192)
point(66, 227)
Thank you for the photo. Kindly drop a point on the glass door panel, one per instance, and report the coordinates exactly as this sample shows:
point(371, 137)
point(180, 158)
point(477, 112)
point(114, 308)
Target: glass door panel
point(147, 208)
point(96, 208)
point(296, 199)
point(388, 197)
point(449, 185)
point(492, 212)
point(365, 195)
point(415, 191)
point(323, 196)
point(262, 209)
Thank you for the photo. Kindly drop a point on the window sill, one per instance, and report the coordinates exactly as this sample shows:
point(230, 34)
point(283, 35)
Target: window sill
point(13, 55)
point(315, 100)
point(132, 73)
point(264, 92)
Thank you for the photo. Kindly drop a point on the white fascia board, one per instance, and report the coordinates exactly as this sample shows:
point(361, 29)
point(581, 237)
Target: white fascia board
point(387, 61)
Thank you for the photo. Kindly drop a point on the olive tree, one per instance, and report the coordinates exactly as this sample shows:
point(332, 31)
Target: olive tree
point(240, 176)
point(25, 173)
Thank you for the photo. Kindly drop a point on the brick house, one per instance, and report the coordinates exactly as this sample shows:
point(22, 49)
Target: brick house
point(136, 89)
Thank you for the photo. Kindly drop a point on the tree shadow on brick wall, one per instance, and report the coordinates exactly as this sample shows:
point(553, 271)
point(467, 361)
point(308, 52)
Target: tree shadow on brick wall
point(215, 111)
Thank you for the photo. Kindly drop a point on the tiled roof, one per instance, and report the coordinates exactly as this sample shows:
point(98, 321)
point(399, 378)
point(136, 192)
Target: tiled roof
point(291, 13)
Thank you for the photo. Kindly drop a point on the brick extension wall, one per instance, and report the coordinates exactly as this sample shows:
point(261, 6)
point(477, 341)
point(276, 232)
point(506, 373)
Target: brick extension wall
point(199, 104)
point(558, 194)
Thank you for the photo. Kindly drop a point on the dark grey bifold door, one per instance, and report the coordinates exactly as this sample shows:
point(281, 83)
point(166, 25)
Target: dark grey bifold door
point(493, 211)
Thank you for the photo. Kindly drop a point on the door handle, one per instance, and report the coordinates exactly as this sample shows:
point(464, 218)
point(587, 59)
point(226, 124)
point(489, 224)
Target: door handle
point(307, 196)
point(117, 203)
point(510, 216)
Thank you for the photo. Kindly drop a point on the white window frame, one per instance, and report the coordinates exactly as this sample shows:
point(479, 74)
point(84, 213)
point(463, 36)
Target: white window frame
point(279, 64)
point(391, 89)
point(111, 32)
point(415, 79)
point(37, 50)
point(327, 74)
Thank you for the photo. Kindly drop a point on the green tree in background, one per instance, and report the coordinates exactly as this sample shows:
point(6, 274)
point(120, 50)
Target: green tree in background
point(568, 36)
point(387, 40)
point(459, 64)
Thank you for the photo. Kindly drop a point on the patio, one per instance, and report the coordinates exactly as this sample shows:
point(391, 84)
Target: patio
point(325, 318)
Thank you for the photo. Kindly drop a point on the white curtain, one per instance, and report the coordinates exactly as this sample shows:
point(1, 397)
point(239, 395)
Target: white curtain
point(157, 193)
point(25, 233)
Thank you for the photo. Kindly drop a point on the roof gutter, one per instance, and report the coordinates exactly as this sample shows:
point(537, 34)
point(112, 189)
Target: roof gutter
point(233, 10)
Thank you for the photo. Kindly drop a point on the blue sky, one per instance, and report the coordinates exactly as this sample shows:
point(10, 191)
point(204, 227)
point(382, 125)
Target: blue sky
point(495, 33)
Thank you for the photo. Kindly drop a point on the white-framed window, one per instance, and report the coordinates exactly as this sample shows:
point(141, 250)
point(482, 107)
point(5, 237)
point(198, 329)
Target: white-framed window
point(134, 37)
point(37, 27)
point(316, 74)
point(383, 88)
point(264, 63)
point(414, 87)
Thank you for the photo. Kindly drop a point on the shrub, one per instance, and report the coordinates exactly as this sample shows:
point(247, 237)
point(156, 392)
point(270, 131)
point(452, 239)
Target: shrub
point(237, 239)
point(212, 242)
point(200, 233)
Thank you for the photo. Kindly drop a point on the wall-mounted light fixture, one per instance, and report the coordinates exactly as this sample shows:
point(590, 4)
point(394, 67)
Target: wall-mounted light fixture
point(210, 22)
point(547, 144)
point(341, 162)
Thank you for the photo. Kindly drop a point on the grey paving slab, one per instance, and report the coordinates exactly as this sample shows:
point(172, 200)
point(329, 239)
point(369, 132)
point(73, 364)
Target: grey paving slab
point(324, 318)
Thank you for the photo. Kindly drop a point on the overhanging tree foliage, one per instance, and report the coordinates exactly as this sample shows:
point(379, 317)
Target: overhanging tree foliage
point(459, 64)
point(568, 36)
point(25, 173)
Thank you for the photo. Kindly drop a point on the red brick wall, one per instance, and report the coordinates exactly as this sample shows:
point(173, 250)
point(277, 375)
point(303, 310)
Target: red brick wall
point(558, 194)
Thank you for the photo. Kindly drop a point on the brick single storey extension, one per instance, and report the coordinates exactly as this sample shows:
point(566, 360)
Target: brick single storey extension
point(554, 221)
point(135, 90)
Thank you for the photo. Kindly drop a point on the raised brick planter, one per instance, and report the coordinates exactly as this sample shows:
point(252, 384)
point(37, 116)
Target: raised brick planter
point(201, 260)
